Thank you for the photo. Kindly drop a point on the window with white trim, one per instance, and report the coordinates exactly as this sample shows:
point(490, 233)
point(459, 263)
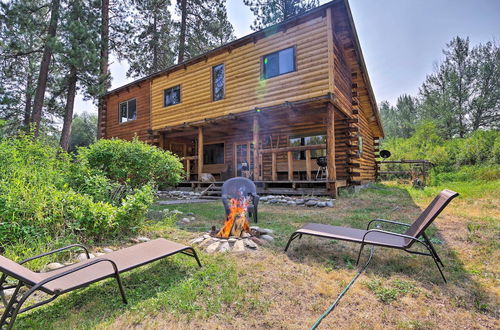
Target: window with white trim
point(127, 110)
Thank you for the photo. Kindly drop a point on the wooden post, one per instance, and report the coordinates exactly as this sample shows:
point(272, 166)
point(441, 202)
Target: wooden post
point(290, 166)
point(274, 174)
point(188, 169)
point(308, 165)
point(235, 159)
point(161, 141)
point(200, 152)
point(330, 147)
point(256, 164)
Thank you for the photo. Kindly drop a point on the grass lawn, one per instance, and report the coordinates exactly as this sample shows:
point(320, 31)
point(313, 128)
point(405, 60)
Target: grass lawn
point(270, 289)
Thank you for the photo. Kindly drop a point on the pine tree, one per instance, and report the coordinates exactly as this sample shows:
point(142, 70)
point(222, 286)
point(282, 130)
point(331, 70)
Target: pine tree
point(150, 44)
point(207, 26)
point(270, 12)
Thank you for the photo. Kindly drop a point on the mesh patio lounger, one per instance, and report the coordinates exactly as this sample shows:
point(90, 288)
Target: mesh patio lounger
point(414, 233)
point(78, 275)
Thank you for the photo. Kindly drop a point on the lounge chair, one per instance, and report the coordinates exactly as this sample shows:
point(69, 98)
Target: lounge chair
point(78, 275)
point(239, 187)
point(414, 233)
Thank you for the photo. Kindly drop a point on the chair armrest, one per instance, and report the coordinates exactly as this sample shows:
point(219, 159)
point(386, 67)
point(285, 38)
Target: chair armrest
point(73, 270)
point(387, 221)
point(58, 250)
point(390, 233)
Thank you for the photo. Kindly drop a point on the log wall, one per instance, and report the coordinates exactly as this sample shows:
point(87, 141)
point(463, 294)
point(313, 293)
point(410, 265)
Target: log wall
point(245, 89)
point(139, 126)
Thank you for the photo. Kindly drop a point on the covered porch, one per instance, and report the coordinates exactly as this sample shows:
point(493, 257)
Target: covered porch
point(277, 147)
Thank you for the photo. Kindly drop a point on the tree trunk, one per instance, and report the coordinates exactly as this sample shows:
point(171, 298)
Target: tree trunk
point(44, 67)
point(155, 40)
point(103, 79)
point(28, 99)
point(182, 37)
point(70, 104)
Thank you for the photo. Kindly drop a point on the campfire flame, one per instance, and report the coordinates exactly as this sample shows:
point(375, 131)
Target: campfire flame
point(236, 222)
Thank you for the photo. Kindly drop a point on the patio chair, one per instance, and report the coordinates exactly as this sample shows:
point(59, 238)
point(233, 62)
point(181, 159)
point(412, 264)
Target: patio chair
point(414, 233)
point(239, 187)
point(78, 275)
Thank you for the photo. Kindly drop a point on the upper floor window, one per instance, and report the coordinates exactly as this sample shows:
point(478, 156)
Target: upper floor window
point(128, 111)
point(279, 62)
point(172, 96)
point(218, 82)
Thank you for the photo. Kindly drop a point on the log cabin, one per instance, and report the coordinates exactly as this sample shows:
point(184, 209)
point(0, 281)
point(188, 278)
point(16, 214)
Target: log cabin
point(290, 106)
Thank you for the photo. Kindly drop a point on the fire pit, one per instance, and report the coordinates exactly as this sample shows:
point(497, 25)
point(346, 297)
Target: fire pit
point(235, 235)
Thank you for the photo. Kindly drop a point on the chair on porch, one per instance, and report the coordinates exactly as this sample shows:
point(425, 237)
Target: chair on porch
point(239, 187)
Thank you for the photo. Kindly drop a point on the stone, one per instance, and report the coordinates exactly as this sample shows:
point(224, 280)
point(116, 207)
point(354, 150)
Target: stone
point(321, 204)
point(254, 227)
point(54, 265)
point(232, 240)
point(291, 203)
point(245, 235)
point(9, 292)
point(224, 247)
point(83, 256)
point(212, 247)
point(299, 201)
point(267, 238)
point(98, 254)
point(206, 242)
point(192, 219)
point(190, 214)
point(329, 204)
point(198, 240)
point(143, 239)
point(239, 246)
point(206, 236)
point(107, 250)
point(134, 240)
point(250, 243)
point(267, 231)
point(311, 203)
point(185, 220)
point(258, 241)
point(273, 201)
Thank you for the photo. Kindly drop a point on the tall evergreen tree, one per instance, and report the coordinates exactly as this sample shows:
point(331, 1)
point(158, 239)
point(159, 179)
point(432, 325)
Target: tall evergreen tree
point(21, 46)
point(80, 55)
point(150, 46)
point(207, 26)
point(270, 12)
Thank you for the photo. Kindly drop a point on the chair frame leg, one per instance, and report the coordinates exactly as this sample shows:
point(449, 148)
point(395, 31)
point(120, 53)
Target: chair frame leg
point(359, 253)
point(292, 237)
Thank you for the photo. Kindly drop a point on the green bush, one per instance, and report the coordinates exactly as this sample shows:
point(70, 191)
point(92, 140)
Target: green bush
point(44, 194)
point(476, 157)
point(132, 163)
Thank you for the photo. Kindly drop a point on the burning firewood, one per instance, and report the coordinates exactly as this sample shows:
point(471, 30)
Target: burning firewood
point(236, 222)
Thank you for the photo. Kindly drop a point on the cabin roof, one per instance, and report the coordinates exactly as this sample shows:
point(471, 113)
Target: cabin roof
point(253, 37)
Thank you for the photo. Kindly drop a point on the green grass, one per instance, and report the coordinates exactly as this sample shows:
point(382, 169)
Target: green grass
point(227, 291)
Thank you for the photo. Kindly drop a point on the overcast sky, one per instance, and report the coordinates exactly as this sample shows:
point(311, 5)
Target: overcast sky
point(401, 40)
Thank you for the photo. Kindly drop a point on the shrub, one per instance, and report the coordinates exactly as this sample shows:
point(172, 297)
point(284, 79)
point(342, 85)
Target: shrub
point(43, 194)
point(133, 163)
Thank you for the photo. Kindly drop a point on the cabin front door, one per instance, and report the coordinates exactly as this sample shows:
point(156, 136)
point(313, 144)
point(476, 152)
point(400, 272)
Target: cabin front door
point(243, 159)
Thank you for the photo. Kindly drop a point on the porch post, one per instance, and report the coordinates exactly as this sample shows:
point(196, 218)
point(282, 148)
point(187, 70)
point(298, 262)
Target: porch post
point(330, 146)
point(256, 165)
point(200, 152)
point(161, 140)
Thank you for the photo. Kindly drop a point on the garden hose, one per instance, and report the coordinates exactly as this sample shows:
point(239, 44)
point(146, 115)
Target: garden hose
point(336, 302)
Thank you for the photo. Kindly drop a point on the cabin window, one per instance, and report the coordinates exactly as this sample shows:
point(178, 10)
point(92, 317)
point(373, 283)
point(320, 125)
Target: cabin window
point(127, 111)
point(213, 154)
point(278, 63)
point(172, 96)
point(218, 82)
point(308, 140)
